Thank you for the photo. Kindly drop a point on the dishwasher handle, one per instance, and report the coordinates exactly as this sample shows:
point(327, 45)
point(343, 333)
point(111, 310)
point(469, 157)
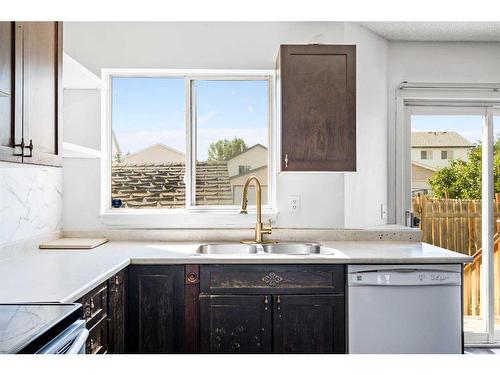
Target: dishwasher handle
point(404, 277)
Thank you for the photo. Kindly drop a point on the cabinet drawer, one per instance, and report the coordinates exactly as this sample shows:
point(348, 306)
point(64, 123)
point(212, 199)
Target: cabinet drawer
point(283, 279)
point(97, 342)
point(95, 304)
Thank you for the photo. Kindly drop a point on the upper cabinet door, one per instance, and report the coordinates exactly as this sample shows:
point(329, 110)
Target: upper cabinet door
point(318, 107)
point(8, 134)
point(42, 92)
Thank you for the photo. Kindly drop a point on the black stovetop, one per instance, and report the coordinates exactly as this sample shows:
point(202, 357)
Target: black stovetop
point(23, 327)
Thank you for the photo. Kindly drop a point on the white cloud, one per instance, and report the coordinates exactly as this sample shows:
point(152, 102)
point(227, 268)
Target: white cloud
point(207, 117)
point(250, 109)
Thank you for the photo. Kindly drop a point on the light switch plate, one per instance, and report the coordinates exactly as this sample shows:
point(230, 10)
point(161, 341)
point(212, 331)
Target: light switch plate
point(294, 204)
point(383, 211)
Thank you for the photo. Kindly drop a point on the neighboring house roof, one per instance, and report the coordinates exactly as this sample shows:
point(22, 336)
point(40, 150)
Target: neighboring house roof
point(248, 149)
point(438, 139)
point(157, 153)
point(162, 185)
point(425, 166)
point(248, 173)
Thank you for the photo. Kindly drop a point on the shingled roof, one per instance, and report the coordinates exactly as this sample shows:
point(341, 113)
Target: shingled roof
point(162, 185)
point(439, 139)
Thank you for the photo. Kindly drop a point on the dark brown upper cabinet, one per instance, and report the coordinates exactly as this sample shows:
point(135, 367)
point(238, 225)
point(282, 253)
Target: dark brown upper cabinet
point(7, 93)
point(31, 71)
point(318, 107)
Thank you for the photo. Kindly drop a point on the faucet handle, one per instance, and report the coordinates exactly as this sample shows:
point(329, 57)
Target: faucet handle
point(269, 229)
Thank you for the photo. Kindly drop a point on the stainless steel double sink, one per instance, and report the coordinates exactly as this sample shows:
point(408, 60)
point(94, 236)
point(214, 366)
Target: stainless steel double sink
point(283, 248)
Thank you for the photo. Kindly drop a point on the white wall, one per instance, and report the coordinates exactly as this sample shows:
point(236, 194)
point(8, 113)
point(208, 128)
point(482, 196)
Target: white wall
point(328, 200)
point(366, 190)
point(189, 45)
point(30, 201)
point(454, 62)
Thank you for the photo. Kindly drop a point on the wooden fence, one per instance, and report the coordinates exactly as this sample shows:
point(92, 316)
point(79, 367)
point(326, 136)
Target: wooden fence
point(456, 225)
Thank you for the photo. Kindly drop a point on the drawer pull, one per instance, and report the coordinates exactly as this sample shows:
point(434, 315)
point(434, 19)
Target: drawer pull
point(114, 283)
point(278, 302)
point(89, 308)
point(266, 302)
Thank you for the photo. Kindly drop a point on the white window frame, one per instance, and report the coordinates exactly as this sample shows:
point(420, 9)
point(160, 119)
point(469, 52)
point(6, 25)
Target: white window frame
point(446, 100)
point(192, 216)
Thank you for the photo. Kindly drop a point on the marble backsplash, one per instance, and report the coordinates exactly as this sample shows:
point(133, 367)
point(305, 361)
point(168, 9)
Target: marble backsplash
point(30, 201)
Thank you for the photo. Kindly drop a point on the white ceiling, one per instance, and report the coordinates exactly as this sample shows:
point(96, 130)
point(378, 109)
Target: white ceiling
point(437, 31)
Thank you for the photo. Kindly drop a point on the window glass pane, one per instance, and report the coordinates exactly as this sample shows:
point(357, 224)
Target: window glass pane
point(232, 140)
point(446, 195)
point(148, 143)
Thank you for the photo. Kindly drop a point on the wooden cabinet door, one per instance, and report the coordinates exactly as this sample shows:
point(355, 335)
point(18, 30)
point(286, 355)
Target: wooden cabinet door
point(308, 324)
point(318, 107)
point(235, 324)
point(42, 92)
point(155, 322)
point(10, 132)
point(117, 304)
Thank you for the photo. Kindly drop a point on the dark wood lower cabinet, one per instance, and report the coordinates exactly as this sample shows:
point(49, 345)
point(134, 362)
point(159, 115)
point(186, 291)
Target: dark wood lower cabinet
point(95, 313)
point(173, 309)
point(97, 342)
point(155, 309)
point(308, 324)
point(117, 307)
point(235, 324)
point(272, 309)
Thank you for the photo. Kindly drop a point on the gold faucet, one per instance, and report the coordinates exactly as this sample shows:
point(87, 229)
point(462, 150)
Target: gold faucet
point(260, 229)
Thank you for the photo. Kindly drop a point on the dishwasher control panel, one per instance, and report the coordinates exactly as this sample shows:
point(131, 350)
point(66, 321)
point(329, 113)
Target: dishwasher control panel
point(401, 277)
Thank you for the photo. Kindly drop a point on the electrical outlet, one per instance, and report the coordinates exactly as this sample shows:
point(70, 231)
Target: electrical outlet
point(294, 204)
point(383, 211)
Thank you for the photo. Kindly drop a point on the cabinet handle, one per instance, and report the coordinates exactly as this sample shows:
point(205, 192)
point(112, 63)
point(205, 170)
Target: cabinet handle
point(278, 301)
point(29, 147)
point(89, 307)
point(286, 160)
point(114, 283)
point(266, 302)
point(23, 146)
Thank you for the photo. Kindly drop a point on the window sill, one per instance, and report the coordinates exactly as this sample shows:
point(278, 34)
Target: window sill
point(183, 219)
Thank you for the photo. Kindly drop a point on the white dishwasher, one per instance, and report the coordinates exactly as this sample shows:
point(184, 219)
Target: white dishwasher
point(405, 309)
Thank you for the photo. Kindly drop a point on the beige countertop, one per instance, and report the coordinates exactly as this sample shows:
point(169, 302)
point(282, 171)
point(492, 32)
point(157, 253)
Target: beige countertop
point(65, 275)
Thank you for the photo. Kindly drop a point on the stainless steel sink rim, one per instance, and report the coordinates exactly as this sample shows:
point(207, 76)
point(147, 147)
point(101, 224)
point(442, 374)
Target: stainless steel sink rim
point(279, 248)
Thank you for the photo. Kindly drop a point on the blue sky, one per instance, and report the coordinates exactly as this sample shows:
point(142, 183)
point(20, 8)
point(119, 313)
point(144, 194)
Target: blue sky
point(469, 127)
point(151, 110)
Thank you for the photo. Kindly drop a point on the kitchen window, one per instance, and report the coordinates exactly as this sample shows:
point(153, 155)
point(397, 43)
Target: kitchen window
point(187, 140)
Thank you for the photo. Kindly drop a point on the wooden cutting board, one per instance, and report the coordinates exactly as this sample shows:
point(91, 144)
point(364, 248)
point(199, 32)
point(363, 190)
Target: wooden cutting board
point(74, 243)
